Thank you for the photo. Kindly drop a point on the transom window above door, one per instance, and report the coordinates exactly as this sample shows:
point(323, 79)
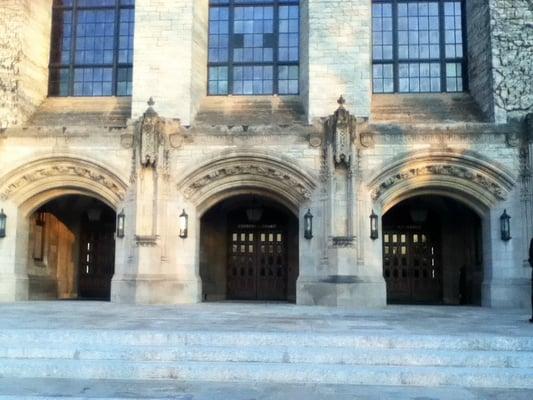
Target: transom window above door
point(253, 47)
point(92, 48)
point(418, 46)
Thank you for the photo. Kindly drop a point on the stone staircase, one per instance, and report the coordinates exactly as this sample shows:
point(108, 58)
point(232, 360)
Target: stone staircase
point(465, 360)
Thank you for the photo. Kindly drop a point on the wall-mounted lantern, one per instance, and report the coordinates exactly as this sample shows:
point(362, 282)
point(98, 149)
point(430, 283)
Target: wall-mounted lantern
point(374, 233)
point(121, 218)
point(254, 212)
point(94, 214)
point(505, 226)
point(184, 224)
point(3, 222)
point(308, 225)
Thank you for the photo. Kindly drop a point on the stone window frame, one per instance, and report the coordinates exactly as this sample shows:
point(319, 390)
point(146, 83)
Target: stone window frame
point(461, 64)
point(230, 64)
point(120, 80)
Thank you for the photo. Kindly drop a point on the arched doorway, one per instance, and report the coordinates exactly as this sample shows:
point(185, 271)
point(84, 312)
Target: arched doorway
point(249, 250)
point(71, 252)
point(432, 252)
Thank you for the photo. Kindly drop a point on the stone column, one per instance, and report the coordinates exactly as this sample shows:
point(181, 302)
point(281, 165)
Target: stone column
point(170, 56)
point(13, 275)
point(345, 276)
point(506, 282)
point(149, 267)
point(336, 55)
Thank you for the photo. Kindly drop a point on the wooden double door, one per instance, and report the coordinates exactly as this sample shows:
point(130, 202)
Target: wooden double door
point(411, 266)
point(257, 267)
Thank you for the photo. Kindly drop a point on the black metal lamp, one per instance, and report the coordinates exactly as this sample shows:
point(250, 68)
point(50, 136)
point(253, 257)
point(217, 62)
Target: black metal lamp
point(121, 219)
point(505, 226)
point(255, 212)
point(374, 233)
point(308, 225)
point(3, 221)
point(184, 224)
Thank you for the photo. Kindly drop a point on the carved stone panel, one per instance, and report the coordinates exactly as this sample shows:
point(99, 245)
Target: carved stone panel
point(468, 174)
point(35, 174)
point(149, 137)
point(341, 127)
point(252, 169)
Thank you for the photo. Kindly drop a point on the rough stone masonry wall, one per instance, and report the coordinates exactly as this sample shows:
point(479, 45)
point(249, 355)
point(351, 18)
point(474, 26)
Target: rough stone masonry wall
point(24, 54)
point(338, 55)
point(511, 23)
point(479, 55)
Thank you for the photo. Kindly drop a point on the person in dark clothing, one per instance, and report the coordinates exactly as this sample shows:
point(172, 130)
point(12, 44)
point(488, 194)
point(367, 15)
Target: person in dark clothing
point(531, 264)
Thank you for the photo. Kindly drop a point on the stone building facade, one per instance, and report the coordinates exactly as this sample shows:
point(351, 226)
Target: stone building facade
point(213, 194)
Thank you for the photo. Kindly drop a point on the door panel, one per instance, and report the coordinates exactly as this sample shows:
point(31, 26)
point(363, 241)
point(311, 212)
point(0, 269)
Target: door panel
point(257, 264)
point(242, 265)
point(411, 267)
point(97, 262)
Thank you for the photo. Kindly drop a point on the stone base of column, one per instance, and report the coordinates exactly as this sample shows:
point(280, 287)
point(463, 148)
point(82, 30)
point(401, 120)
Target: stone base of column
point(507, 293)
point(13, 287)
point(154, 289)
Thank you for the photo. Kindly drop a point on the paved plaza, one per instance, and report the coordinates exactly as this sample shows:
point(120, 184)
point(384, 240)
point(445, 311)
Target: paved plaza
point(267, 317)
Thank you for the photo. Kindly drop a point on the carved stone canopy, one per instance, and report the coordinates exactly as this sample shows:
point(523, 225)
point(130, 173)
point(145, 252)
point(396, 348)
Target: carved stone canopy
point(149, 136)
point(341, 129)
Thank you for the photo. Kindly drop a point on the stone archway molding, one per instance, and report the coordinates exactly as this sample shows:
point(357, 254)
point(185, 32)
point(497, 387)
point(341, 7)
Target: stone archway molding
point(469, 173)
point(234, 171)
point(62, 172)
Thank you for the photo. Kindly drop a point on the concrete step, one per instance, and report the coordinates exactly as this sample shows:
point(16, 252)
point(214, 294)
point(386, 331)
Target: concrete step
point(87, 337)
point(270, 373)
point(74, 389)
point(285, 358)
point(273, 354)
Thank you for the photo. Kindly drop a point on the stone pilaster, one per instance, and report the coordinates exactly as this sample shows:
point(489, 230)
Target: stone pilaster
point(337, 46)
point(170, 56)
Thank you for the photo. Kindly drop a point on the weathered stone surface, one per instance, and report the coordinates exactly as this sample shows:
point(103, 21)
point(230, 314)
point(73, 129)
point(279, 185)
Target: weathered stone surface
point(511, 23)
point(468, 347)
point(47, 389)
point(439, 144)
point(429, 108)
point(246, 111)
point(112, 112)
point(24, 55)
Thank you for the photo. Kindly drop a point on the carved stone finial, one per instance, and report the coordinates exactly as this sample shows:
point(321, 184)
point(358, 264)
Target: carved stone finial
point(341, 102)
point(151, 102)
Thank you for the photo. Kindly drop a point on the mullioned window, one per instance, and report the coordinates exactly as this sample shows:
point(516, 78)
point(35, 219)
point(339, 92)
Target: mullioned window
point(92, 48)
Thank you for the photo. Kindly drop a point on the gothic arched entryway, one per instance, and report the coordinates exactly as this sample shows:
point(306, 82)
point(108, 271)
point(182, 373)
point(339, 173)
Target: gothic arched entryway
point(249, 250)
point(71, 249)
point(432, 252)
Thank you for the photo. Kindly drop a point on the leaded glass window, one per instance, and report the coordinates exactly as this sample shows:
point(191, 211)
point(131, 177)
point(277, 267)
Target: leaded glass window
point(253, 47)
point(418, 46)
point(92, 48)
